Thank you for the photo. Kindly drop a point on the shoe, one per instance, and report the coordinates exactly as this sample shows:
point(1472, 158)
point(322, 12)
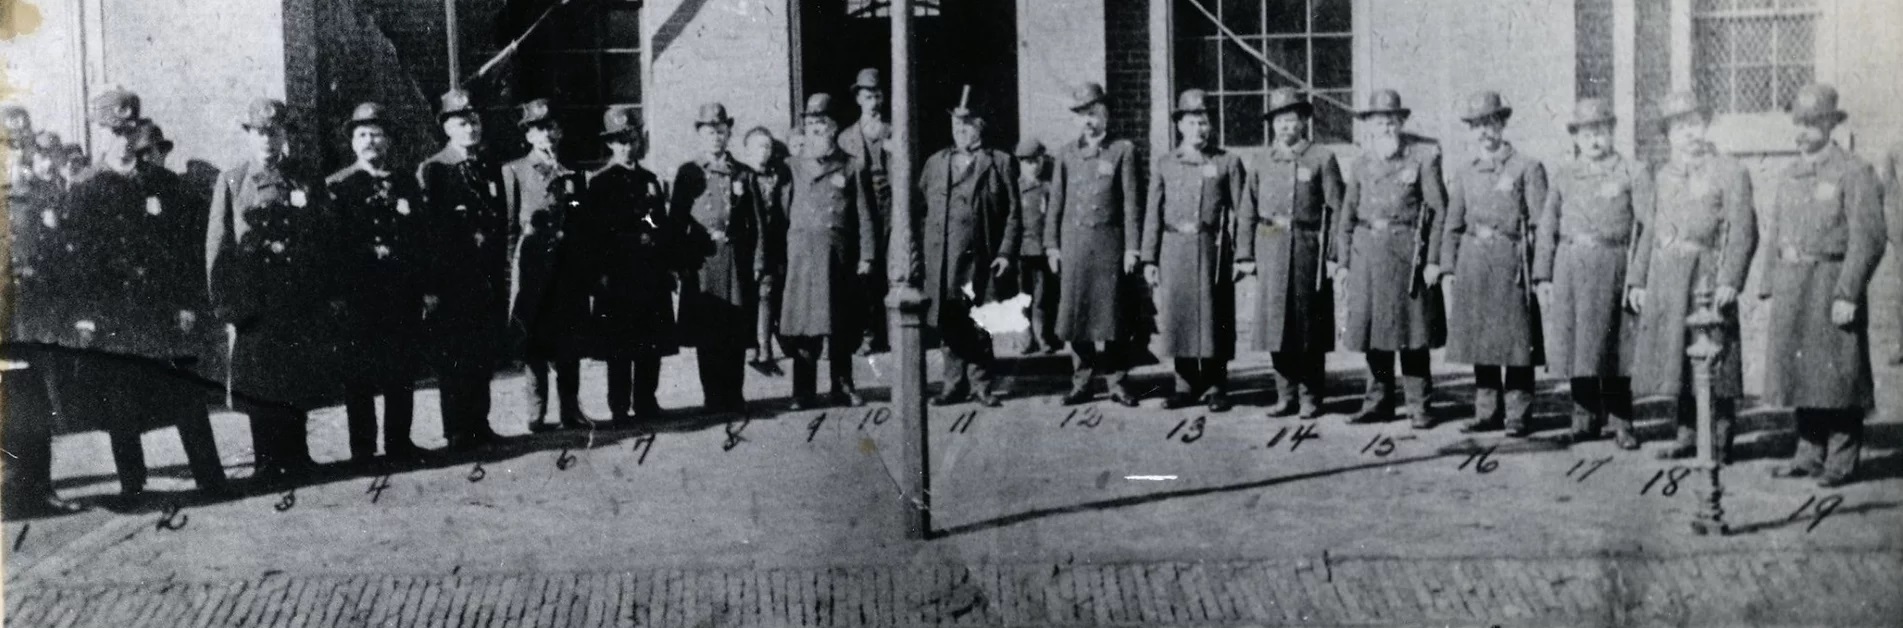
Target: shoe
point(1832, 481)
point(406, 452)
point(848, 398)
point(1625, 440)
point(624, 421)
point(543, 427)
point(648, 409)
point(1123, 399)
point(1053, 346)
point(951, 398)
point(49, 505)
point(1792, 472)
point(1075, 397)
point(1030, 346)
point(1376, 414)
point(1421, 421)
point(1518, 430)
point(990, 400)
point(1218, 403)
point(1284, 407)
point(1178, 400)
point(1310, 411)
point(1480, 425)
point(575, 420)
point(1678, 451)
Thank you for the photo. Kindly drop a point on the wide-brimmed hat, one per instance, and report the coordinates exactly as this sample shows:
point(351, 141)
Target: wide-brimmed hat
point(867, 79)
point(712, 114)
point(620, 121)
point(116, 109)
point(366, 114)
point(1029, 148)
point(1191, 101)
point(536, 112)
point(1086, 95)
point(1816, 103)
point(1485, 105)
point(456, 102)
point(818, 105)
point(1287, 99)
point(1680, 104)
point(1384, 102)
point(266, 113)
point(1591, 111)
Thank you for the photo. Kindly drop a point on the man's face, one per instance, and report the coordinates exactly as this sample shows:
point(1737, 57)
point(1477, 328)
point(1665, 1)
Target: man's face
point(759, 148)
point(820, 129)
point(869, 99)
point(1195, 129)
point(464, 130)
point(1385, 126)
point(1813, 136)
point(153, 157)
point(44, 164)
point(714, 137)
point(1094, 119)
point(265, 142)
point(1488, 133)
point(621, 149)
point(1289, 127)
point(369, 143)
point(1686, 133)
point(1594, 141)
point(967, 132)
point(544, 137)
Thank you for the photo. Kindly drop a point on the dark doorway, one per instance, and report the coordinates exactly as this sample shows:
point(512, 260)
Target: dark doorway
point(959, 42)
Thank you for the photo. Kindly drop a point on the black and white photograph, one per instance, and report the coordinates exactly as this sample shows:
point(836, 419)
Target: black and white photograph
point(983, 313)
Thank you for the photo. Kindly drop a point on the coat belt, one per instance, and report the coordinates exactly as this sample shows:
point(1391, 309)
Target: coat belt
point(1483, 232)
point(1289, 222)
point(1595, 240)
point(1797, 255)
point(1386, 224)
point(1186, 227)
point(1683, 245)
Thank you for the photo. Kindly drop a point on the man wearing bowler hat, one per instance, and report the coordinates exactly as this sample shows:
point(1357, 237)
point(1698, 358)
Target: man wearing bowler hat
point(1826, 238)
point(631, 248)
point(718, 204)
point(1596, 206)
point(1092, 232)
point(965, 243)
point(1701, 239)
point(272, 283)
point(381, 238)
point(548, 297)
point(869, 140)
point(1390, 227)
point(1293, 189)
point(1034, 272)
point(1494, 201)
point(830, 244)
point(1194, 191)
point(463, 198)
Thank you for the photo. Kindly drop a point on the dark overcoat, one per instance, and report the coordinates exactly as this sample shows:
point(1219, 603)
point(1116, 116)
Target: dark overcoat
point(720, 209)
point(971, 218)
point(829, 233)
point(1387, 198)
point(273, 277)
point(1826, 238)
point(1290, 196)
point(1493, 317)
point(469, 259)
point(632, 246)
point(381, 238)
point(548, 302)
point(1186, 233)
point(1093, 220)
point(1703, 235)
point(1593, 212)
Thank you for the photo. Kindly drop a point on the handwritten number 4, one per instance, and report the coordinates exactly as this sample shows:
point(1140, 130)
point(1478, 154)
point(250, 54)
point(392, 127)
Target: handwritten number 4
point(377, 486)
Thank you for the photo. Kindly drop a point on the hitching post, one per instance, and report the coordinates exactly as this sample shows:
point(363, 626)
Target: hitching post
point(906, 303)
point(1705, 350)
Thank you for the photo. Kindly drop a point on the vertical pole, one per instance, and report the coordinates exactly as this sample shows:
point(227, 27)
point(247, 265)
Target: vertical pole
point(906, 302)
point(450, 32)
point(1705, 350)
point(1162, 78)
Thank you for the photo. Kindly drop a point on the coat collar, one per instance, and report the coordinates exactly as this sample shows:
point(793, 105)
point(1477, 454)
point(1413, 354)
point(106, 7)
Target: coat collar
point(980, 160)
point(1087, 149)
point(1294, 152)
point(1496, 161)
point(723, 165)
point(1823, 160)
point(1189, 155)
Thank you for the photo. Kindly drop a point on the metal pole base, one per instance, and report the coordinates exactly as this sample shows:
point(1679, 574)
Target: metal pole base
point(1711, 512)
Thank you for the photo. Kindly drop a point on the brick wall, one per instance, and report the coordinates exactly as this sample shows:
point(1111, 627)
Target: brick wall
point(1127, 68)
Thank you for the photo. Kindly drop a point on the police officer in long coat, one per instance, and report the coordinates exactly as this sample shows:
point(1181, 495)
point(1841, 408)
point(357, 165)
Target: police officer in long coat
point(632, 247)
point(869, 141)
point(1597, 204)
point(1092, 231)
point(1390, 219)
point(1188, 258)
point(549, 296)
point(381, 238)
point(830, 243)
point(718, 204)
point(1495, 201)
point(966, 239)
point(1293, 189)
point(462, 191)
point(271, 281)
point(1703, 234)
point(1035, 278)
point(1826, 238)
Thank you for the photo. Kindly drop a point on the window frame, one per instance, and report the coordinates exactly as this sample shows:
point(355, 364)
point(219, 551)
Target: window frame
point(1351, 37)
point(1750, 133)
point(583, 145)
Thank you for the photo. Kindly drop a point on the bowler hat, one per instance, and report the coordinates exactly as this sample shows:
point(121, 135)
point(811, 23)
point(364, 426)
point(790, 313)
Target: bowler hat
point(713, 114)
point(148, 136)
point(117, 110)
point(1591, 111)
point(1680, 104)
point(1485, 105)
point(620, 121)
point(1086, 95)
point(266, 113)
point(1191, 101)
point(1029, 148)
point(47, 142)
point(867, 79)
point(456, 102)
point(368, 113)
point(1815, 103)
point(818, 105)
point(1384, 102)
point(1287, 99)
point(536, 112)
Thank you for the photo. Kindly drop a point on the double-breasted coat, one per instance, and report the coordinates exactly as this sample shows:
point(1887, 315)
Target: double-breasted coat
point(719, 206)
point(971, 218)
point(382, 242)
point(1387, 197)
point(469, 259)
point(830, 231)
point(1186, 232)
point(634, 250)
point(1494, 203)
point(1703, 234)
point(1826, 238)
point(37, 244)
point(1593, 212)
point(1093, 220)
point(270, 262)
point(1290, 195)
point(548, 300)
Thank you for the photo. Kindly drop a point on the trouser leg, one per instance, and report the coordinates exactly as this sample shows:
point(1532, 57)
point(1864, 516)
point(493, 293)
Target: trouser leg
point(568, 388)
point(1189, 379)
point(360, 417)
point(26, 431)
point(839, 358)
point(1114, 364)
point(201, 445)
point(1843, 443)
point(972, 347)
point(620, 384)
point(1377, 402)
point(956, 375)
point(805, 354)
point(1416, 380)
point(713, 382)
point(538, 389)
point(1616, 395)
point(1518, 383)
point(399, 414)
point(1588, 403)
point(1813, 440)
point(647, 381)
point(1488, 386)
point(1214, 373)
point(1083, 366)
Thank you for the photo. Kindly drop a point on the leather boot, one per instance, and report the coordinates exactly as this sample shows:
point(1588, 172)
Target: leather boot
point(1311, 402)
point(1415, 388)
point(1486, 411)
point(1519, 408)
point(1377, 405)
point(1286, 403)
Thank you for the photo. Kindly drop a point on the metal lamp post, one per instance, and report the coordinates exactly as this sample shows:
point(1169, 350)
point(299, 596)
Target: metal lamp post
point(906, 303)
point(1708, 326)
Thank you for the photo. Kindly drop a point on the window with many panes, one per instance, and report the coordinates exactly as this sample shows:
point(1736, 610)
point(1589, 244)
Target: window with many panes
point(1751, 56)
point(1309, 39)
point(583, 58)
point(882, 8)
